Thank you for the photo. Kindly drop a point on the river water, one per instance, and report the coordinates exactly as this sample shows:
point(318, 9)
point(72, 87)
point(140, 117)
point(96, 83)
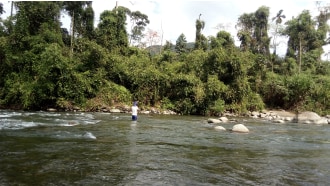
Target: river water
point(45, 148)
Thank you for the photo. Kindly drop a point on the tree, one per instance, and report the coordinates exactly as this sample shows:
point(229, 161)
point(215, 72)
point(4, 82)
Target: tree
point(1, 9)
point(152, 37)
point(252, 31)
point(200, 40)
point(278, 20)
point(35, 13)
point(245, 31)
point(139, 22)
point(261, 31)
point(322, 26)
point(111, 30)
point(168, 46)
point(88, 22)
point(82, 19)
point(181, 44)
point(223, 39)
point(303, 38)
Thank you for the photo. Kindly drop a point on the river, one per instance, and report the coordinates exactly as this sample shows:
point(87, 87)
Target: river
point(59, 148)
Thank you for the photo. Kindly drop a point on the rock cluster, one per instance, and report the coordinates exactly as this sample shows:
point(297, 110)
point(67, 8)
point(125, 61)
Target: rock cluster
point(275, 117)
point(117, 109)
point(282, 116)
point(240, 128)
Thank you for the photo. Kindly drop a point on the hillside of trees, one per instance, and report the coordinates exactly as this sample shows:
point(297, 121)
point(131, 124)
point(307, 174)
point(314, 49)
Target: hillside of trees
point(43, 65)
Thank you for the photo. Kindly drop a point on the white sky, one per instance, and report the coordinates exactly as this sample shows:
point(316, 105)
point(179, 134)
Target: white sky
point(175, 17)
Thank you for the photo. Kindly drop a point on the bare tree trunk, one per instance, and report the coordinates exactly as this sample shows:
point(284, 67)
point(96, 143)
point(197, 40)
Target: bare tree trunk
point(161, 41)
point(72, 34)
point(11, 10)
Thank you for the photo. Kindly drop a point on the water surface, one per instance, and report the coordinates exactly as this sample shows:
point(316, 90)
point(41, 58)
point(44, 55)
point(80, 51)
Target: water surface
point(44, 148)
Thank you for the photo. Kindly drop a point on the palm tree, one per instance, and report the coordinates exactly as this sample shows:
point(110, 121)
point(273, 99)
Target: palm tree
point(278, 17)
point(278, 20)
point(1, 9)
point(200, 38)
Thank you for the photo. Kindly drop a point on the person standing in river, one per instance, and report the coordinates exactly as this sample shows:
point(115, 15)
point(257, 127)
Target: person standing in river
point(135, 109)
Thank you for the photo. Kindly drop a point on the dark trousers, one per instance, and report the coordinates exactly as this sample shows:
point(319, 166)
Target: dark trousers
point(134, 118)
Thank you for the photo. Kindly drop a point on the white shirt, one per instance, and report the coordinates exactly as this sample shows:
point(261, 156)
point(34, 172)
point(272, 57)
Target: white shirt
point(135, 110)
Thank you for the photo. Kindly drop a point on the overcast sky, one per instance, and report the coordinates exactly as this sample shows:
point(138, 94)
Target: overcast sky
point(175, 17)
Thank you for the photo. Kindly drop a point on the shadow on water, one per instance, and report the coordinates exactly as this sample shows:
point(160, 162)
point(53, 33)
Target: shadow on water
point(110, 149)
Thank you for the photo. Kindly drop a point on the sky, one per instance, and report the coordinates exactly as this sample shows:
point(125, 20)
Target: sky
point(174, 17)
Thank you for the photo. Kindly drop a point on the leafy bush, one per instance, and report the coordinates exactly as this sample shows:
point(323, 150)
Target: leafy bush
point(254, 102)
point(109, 95)
point(274, 90)
point(217, 107)
point(299, 89)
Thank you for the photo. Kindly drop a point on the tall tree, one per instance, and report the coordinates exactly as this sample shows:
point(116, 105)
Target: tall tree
point(303, 37)
point(181, 44)
point(278, 20)
point(111, 30)
point(223, 39)
point(276, 29)
point(81, 13)
point(252, 31)
point(245, 26)
point(35, 13)
point(139, 22)
point(323, 27)
point(82, 18)
point(168, 46)
point(88, 22)
point(261, 30)
point(1, 9)
point(200, 40)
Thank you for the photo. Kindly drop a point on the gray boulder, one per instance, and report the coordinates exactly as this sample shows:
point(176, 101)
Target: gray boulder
point(210, 120)
point(114, 110)
point(223, 119)
point(240, 128)
point(310, 118)
point(219, 128)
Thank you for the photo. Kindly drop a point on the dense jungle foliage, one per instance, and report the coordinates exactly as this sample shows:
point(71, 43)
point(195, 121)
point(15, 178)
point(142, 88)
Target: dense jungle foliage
point(43, 65)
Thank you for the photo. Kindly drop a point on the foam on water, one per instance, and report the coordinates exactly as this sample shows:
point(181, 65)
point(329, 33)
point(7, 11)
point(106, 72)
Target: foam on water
point(73, 135)
point(89, 135)
point(19, 120)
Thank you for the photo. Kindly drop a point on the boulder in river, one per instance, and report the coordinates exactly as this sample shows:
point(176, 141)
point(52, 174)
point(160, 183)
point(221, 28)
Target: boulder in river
point(310, 118)
point(223, 119)
point(211, 120)
point(219, 128)
point(240, 128)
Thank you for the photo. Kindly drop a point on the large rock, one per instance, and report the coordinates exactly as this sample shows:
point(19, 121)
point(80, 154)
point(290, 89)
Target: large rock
point(223, 119)
point(114, 110)
point(219, 128)
point(310, 118)
point(210, 120)
point(240, 128)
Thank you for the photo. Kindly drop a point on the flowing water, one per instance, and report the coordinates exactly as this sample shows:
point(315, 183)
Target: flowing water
point(43, 148)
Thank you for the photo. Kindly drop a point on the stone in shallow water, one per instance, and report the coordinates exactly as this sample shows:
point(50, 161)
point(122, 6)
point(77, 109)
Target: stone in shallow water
point(219, 128)
point(210, 120)
point(240, 128)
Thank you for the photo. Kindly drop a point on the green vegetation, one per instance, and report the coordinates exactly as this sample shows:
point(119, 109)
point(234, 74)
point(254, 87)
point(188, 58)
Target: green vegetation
point(43, 65)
